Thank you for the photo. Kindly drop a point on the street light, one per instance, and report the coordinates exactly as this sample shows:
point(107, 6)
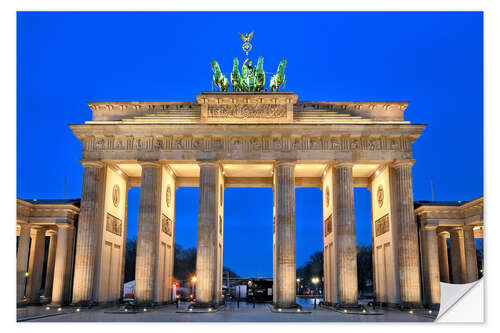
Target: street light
point(315, 281)
point(193, 284)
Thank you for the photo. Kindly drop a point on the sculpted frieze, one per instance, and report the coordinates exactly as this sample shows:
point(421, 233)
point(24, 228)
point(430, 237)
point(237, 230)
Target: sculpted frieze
point(248, 143)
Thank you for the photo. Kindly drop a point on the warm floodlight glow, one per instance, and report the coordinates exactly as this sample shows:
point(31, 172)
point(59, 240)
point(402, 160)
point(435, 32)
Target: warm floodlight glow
point(27, 274)
point(410, 312)
point(59, 309)
point(193, 279)
point(298, 280)
point(298, 310)
point(171, 172)
point(377, 172)
point(430, 311)
point(190, 310)
point(364, 311)
point(345, 310)
point(145, 309)
point(47, 308)
point(78, 310)
point(279, 310)
point(119, 172)
point(315, 280)
point(209, 309)
point(126, 310)
point(324, 173)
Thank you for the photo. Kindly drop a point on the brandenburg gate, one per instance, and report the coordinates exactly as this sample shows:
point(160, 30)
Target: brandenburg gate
point(245, 139)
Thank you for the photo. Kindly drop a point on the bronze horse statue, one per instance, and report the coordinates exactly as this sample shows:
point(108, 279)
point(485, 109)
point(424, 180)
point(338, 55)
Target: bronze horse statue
point(279, 78)
point(219, 79)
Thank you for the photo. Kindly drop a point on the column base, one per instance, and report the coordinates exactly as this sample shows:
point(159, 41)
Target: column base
point(293, 306)
point(84, 304)
point(347, 306)
point(203, 305)
point(411, 306)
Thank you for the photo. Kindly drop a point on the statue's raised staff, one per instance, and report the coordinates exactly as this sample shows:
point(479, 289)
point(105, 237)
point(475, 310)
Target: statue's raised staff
point(278, 79)
point(219, 79)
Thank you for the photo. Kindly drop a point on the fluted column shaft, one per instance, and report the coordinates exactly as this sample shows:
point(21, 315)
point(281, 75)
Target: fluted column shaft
point(345, 237)
point(22, 261)
point(457, 254)
point(37, 253)
point(285, 234)
point(60, 264)
point(444, 269)
point(86, 242)
point(206, 251)
point(471, 273)
point(147, 233)
point(408, 252)
point(431, 266)
point(49, 276)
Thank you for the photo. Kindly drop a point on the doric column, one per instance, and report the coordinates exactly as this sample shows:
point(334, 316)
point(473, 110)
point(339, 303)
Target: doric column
point(457, 254)
point(470, 255)
point(60, 265)
point(86, 241)
point(285, 234)
point(407, 251)
point(345, 237)
point(431, 265)
point(147, 233)
point(444, 270)
point(37, 253)
point(68, 282)
point(49, 276)
point(23, 248)
point(206, 252)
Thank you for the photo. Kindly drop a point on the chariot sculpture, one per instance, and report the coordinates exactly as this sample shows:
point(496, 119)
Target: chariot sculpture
point(251, 78)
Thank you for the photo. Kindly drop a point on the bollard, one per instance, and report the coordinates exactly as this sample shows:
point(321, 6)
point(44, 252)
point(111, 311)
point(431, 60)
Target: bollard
point(177, 303)
point(253, 298)
point(314, 302)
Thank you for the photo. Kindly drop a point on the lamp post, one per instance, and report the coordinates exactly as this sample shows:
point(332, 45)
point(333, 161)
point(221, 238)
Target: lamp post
point(315, 281)
point(298, 283)
point(193, 286)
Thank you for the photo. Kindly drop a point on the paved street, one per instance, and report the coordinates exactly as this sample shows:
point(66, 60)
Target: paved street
point(230, 313)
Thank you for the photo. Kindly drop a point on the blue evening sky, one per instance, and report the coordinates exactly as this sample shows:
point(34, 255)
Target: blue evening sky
point(433, 60)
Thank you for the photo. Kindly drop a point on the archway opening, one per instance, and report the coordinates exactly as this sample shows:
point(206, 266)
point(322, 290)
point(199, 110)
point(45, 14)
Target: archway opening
point(309, 245)
point(248, 244)
point(133, 197)
point(364, 237)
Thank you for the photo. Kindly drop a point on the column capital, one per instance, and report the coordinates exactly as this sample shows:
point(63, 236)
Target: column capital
point(279, 163)
point(343, 164)
point(212, 163)
point(51, 232)
point(444, 233)
point(37, 228)
point(468, 227)
point(457, 229)
point(91, 163)
point(64, 226)
point(430, 226)
point(149, 163)
point(402, 163)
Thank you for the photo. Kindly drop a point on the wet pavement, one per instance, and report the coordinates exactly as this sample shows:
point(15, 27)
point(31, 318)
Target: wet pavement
point(229, 313)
